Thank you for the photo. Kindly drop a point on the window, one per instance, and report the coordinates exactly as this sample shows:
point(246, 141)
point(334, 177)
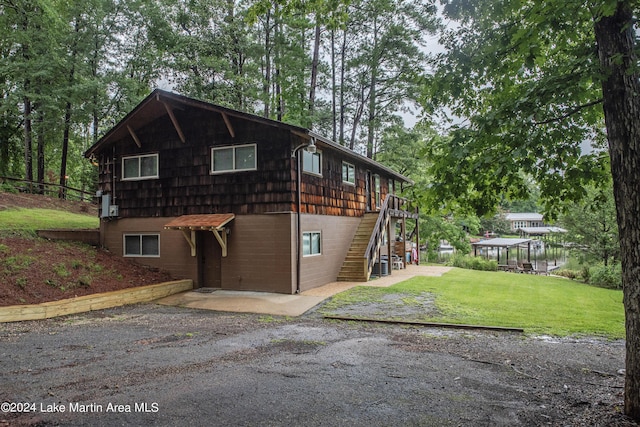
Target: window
point(143, 245)
point(348, 173)
point(312, 162)
point(140, 167)
point(311, 243)
point(233, 159)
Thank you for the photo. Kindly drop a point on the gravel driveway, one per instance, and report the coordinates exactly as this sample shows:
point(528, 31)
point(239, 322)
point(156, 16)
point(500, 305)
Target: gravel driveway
point(165, 366)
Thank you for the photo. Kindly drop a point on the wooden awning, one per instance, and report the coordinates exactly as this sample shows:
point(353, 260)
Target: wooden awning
point(189, 224)
point(200, 222)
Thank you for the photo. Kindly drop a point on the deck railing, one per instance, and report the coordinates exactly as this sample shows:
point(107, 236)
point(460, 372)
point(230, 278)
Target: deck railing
point(55, 190)
point(393, 206)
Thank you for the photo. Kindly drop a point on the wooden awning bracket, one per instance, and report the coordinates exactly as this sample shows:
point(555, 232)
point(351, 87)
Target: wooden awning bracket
point(191, 239)
point(222, 239)
point(219, 234)
point(134, 136)
point(174, 120)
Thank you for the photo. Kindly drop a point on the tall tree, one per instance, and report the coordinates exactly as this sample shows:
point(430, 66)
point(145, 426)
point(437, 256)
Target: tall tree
point(532, 81)
point(383, 54)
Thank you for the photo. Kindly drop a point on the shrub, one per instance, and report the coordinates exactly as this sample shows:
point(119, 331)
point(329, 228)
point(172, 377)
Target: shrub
point(609, 276)
point(472, 263)
point(569, 274)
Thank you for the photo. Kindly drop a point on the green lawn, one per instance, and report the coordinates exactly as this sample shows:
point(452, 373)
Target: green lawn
point(35, 219)
point(539, 304)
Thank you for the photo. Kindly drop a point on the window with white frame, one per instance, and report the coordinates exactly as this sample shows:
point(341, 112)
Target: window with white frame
point(142, 245)
point(348, 173)
point(140, 167)
point(312, 162)
point(233, 158)
point(311, 243)
point(378, 194)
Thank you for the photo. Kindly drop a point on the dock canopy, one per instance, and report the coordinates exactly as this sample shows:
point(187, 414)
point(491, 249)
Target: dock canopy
point(189, 224)
point(503, 243)
point(540, 231)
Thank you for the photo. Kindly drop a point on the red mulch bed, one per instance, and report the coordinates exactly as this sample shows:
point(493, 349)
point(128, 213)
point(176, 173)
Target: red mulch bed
point(34, 270)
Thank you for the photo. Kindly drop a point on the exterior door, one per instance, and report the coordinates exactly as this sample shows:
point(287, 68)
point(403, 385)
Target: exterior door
point(209, 260)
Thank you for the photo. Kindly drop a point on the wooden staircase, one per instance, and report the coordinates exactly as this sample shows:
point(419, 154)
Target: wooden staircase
point(355, 268)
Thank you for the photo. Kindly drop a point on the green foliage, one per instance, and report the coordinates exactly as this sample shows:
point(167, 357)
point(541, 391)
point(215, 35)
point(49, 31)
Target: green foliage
point(606, 276)
point(472, 263)
point(592, 226)
point(17, 263)
point(61, 270)
point(526, 79)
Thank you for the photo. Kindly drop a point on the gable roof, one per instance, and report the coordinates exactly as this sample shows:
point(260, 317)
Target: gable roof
point(524, 216)
point(159, 103)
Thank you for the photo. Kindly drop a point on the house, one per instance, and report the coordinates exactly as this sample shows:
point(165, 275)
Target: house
point(237, 201)
point(524, 220)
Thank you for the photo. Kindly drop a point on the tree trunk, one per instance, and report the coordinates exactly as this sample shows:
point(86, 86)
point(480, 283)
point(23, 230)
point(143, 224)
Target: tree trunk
point(373, 85)
point(266, 85)
point(65, 149)
point(28, 138)
point(40, 151)
point(314, 73)
point(615, 38)
point(343, 57)
point(334, 129)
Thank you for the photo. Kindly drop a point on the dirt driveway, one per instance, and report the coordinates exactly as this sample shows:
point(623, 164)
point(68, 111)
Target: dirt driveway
point(167, 366)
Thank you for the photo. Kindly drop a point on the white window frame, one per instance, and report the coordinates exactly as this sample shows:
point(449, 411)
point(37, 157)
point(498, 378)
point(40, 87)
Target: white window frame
point(233, 158)
point(345, 179)
point(140, 236)
point(139, 177)
point(310, 235)
point(317, 154)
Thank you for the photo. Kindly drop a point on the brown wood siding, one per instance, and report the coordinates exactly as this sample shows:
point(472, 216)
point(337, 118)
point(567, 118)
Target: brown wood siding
point(337, 234)
point(185, 185)
point(260, 252)
point(261, 255)
point(329, 195)
point(175, 254)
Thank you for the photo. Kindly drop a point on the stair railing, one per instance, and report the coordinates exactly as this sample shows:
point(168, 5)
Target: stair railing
point(371, 253)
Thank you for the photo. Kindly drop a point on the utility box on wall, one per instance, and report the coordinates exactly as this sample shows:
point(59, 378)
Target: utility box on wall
point(108, 210)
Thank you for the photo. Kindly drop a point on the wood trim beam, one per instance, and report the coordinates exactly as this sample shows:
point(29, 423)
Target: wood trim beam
point(227, 122)
point(134, 136)
point(174, 120)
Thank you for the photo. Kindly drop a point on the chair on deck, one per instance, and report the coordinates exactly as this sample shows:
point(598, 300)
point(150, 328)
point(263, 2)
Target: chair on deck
point(397, 263)
point(513, 266)
point(541, 268)
point(527, 267)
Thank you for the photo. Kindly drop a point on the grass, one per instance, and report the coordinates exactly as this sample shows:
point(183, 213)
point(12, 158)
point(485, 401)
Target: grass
point(35, 219)
point(539, 304)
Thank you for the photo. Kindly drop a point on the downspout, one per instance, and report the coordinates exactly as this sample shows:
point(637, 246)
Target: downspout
point(298, 228)
point(311, 147)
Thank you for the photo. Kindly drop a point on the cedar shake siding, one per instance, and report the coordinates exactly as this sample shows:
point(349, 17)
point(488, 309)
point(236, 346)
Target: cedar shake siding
point(186, 185)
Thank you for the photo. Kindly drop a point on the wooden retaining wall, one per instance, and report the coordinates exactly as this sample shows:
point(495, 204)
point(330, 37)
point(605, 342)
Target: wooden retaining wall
point(47, 310)
point(88, 236)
